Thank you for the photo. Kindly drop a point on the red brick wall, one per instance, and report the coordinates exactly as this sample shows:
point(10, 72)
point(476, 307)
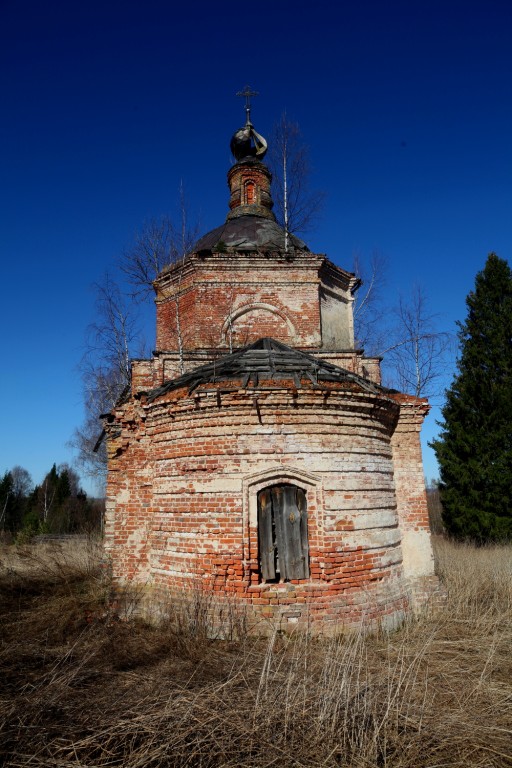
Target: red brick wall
point(209, 292)
point(183, 480)
point(408, 464)
point(184, 471)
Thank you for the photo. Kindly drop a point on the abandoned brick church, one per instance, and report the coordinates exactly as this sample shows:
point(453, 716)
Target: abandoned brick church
point(257, 455)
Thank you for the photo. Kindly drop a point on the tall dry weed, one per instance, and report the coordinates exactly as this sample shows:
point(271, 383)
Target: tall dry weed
point(103, 692)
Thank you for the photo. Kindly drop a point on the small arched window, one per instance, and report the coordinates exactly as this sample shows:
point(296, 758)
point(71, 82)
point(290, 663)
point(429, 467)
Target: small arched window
point(250, 193)
point(283, 533)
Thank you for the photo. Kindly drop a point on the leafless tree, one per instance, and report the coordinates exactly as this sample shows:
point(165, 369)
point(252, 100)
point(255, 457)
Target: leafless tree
point(101, 390)
point(405, 335)
point(371, 313)
point(112, 336)
point(115, 337)
point(160, 243)
point(15, 487)
point(22, 482)
point(297, 205)
point(418, 354)
point(112, 340)
point(152, 250)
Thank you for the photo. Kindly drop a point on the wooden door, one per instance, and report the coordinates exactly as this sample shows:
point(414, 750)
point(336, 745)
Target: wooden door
point(283, 533)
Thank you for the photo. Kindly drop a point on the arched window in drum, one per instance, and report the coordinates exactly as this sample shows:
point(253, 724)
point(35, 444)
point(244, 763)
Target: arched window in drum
point(250, 193)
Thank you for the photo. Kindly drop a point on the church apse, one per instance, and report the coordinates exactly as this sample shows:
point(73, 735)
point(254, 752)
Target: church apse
point(261, 459)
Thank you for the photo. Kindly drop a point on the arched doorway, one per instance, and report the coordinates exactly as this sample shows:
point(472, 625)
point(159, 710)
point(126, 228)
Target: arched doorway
point(283, 533)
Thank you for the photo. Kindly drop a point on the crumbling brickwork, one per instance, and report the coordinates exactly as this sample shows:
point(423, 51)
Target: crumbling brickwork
point(230, 300)
point(194, 461)
point(184, 477)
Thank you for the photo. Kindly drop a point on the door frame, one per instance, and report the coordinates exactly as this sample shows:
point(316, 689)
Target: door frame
point(280, 475)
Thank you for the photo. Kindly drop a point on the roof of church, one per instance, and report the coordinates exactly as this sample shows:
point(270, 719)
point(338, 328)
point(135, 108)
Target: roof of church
point(250, 225)
point(249, 233)
point(267, 359)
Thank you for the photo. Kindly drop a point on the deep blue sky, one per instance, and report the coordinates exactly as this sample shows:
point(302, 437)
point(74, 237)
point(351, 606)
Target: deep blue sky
point(406, 107)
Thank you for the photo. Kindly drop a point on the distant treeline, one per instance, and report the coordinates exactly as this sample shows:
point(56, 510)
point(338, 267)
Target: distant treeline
point(58, 505)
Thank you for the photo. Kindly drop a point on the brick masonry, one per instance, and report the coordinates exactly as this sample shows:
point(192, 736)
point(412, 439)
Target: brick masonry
point(183, 481)
point(185, 468)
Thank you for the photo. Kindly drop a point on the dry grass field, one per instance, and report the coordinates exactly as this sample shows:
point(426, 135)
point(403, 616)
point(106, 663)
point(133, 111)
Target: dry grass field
point(81, 688)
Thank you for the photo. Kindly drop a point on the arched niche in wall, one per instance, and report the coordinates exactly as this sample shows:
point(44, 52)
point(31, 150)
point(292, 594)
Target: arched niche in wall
point(250, 193)
point(255, 321)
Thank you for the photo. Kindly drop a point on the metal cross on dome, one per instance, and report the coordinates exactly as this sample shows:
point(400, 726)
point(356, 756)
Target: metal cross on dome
point(247, 93)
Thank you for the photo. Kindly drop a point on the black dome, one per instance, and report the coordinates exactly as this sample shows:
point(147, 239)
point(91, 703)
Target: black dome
point(249, 233)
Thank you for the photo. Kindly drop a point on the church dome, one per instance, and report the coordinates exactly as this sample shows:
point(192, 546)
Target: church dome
point(249, 233)
point(250, 224)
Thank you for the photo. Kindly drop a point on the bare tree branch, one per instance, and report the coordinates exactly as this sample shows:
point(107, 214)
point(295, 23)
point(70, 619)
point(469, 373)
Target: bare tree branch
point(112, 336)
point(160, 243)
point(418, 354)
point(115, 337)
point(406, 336)
point(22, 482)
point(370, 310)
point(111, 342)
point(296, 206)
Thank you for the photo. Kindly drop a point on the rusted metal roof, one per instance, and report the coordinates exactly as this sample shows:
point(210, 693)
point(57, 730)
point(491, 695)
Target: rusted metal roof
point(246, 233)
point(265, 360)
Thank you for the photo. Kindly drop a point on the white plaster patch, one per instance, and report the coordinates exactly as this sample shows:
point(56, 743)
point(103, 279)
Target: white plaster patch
point(418, 555)
point(377, 538)
point(219, 484)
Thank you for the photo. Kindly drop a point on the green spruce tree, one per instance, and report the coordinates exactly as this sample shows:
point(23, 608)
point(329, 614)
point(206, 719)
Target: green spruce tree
point(474, 448)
